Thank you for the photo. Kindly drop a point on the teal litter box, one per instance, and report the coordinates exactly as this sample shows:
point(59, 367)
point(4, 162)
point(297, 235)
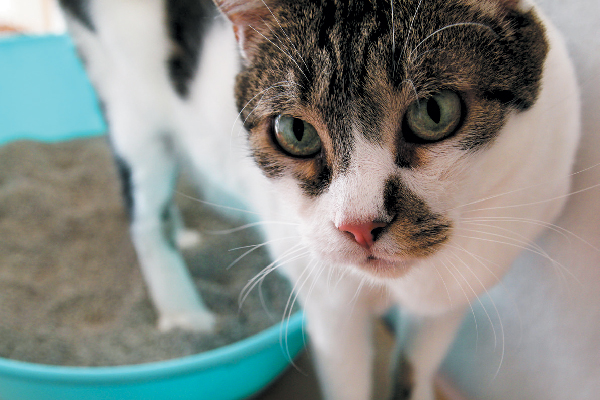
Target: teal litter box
point(45, 95)
point(236, 371)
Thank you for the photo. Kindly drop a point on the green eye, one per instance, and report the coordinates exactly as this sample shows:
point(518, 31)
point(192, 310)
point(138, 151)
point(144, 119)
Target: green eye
point(298, 138)
point(436, 117)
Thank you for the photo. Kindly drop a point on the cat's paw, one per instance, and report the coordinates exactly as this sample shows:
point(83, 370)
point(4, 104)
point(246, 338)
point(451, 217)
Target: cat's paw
point(194, 321)
point(188, 238)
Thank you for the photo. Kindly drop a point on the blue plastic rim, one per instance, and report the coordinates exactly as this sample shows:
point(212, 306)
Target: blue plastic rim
point(45, 95)
point(44, 91)
point(232, 372)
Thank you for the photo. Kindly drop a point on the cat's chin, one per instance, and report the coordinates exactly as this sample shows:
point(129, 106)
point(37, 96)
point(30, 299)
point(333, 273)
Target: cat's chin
point(376, 264)
point(385, 268)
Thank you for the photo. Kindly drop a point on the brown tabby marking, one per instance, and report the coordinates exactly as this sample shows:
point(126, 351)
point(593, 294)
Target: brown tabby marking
point(339, 61)
point(420, 230)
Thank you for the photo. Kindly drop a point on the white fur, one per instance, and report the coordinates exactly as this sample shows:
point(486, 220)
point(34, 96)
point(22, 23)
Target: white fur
point(529, 163)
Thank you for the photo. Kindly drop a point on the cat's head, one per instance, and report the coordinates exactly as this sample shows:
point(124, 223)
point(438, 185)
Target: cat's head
point(371, 116)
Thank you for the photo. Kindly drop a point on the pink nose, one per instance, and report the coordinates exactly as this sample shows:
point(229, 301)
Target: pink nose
point(362, 232)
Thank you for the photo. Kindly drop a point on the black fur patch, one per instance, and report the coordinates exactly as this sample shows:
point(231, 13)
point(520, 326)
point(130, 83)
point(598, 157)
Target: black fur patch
point(124, 171)
point(413, 221)
point(187, 21)
point(318, 184)
point(80, 10)
point(168, 221)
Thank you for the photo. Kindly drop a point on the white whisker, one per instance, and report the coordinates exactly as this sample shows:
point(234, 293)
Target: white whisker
point(258, 103)
point(535, 249)
point(258, 246)
point(285, 34)
point(445, 286)
point(476, 295)
point(242, 247)
point(535, 203)
point(517, 245)
point(410, 29)
point(288, 256)
point(458, 24)
point(197, 200)
point(489, 318)
point(247, 226)
point(524, 242)
point(356, 295)
point(466, 297)
point(275, 85)
point(529, 187)
point(550, 226)
point(538, 249)
point(280, 49)
point(321, 267)
point(414, 88)
point(480, 260)
point(393, 37)
point(292, 301)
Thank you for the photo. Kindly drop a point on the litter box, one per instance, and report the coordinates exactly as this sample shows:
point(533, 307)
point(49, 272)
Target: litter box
point(41, 76)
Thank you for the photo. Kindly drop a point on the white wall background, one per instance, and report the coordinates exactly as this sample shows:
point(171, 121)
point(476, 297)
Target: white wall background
point(32, 16)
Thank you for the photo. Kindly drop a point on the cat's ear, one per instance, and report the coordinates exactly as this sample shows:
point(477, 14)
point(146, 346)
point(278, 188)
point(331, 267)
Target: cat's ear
point(250, 19)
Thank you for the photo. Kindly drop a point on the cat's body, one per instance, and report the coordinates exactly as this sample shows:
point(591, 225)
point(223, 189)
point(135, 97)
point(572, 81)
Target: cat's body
point(375, 207)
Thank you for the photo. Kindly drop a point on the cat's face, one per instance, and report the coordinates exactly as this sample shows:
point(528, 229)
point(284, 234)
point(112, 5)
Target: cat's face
point(370, 116)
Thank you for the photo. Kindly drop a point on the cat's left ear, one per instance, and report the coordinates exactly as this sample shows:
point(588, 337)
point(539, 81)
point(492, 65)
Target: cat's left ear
point(250, 19)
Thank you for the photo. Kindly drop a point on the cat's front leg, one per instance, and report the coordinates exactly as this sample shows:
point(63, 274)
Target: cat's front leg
point(339, 322)
point(422, 345)
point(149, 169)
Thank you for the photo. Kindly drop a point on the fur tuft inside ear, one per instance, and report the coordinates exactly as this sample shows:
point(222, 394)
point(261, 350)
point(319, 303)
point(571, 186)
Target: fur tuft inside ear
point(250, 19)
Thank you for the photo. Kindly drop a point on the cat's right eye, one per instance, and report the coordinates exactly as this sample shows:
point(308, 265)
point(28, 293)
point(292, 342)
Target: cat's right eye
point(296, 137)
point(434, 118)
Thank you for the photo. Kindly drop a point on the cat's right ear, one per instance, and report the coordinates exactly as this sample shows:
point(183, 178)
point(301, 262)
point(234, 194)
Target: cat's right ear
point(250, 19)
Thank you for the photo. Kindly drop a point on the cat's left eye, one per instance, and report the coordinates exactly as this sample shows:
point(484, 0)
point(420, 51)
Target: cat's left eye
point(296, 137)
point(436, 117)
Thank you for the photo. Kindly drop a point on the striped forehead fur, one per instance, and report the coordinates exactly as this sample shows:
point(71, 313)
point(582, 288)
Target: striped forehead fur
point(346, 62)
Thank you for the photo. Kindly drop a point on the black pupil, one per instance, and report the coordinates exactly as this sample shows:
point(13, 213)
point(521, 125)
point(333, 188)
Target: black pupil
point(433, 109)
point(298, 128)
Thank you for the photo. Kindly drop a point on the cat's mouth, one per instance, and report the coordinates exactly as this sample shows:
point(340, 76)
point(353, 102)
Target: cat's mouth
point(385, 267)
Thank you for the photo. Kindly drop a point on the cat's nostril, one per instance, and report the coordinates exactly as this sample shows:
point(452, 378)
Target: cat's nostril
point(377, 232)
point(365, 234)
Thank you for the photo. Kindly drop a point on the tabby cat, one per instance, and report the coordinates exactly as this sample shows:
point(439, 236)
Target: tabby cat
point(374, 137)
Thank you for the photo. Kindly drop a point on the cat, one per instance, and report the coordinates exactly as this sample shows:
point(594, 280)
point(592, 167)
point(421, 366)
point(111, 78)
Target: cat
point(373, 138)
